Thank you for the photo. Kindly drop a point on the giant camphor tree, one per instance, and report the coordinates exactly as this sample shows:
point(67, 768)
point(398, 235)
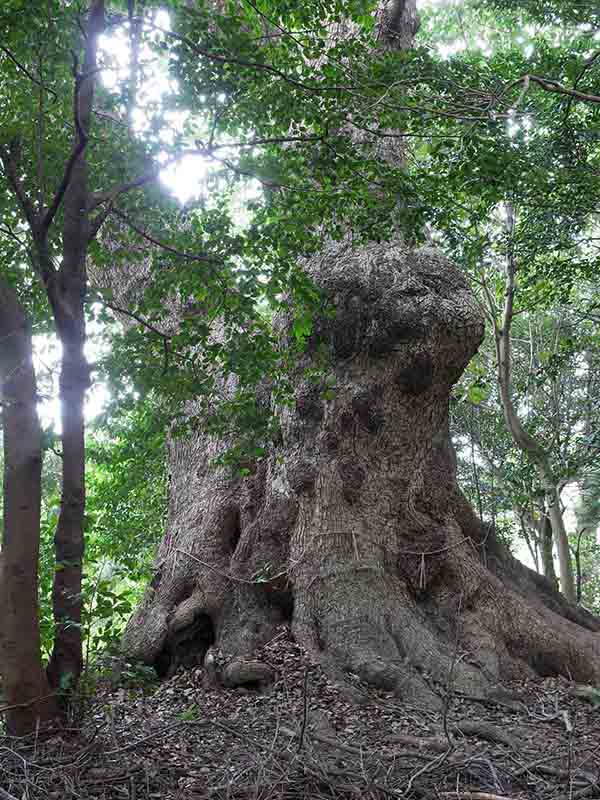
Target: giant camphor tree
point(349, 525)
point(346, 521)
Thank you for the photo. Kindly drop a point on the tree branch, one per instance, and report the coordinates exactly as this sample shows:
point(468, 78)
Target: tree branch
point(168, 248)
point(205, 149)
point(11, 157)
point(111, 196)
point(256, 65)
point(504, 358)
point(148, 177)
point(553, 86)
point(134, 316)
point(26, 72)
point(80, 145)
point(164, 337)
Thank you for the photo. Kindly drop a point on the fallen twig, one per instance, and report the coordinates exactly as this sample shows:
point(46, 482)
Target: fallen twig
point(486, 731)
point(474, 796)
point(304, 710)
point(435, 743)
point(437, 762)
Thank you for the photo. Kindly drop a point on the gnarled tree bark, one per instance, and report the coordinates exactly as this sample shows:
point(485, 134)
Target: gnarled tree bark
point(353, 529)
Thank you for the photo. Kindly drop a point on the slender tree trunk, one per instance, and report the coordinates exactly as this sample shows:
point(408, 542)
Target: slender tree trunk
point(567, 580)
point(530, 447)
point(547, 549)
point(541, 528)
point(66, 662)
point(587, 511)
point(530, 535)
point(67, 293)
point(25, 686)
point(541, 460)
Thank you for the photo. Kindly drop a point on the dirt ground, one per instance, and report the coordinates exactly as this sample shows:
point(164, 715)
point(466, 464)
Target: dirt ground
point(309, 737)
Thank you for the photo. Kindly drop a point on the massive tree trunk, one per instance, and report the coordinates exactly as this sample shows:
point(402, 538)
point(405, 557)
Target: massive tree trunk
point(24, 684)
point(352, 528)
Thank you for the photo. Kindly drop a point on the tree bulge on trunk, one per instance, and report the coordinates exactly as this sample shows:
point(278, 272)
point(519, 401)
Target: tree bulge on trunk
point(352, 528)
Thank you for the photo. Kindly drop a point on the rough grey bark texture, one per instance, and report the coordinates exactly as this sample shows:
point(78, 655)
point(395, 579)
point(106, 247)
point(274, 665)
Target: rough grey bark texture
point(352, 528)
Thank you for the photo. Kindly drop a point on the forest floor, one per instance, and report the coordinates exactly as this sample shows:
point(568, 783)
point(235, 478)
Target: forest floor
point(308, 737)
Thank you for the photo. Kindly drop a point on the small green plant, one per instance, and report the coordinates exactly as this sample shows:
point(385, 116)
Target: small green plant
point(591, 693)
point(190, 714)
point(131, 674)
